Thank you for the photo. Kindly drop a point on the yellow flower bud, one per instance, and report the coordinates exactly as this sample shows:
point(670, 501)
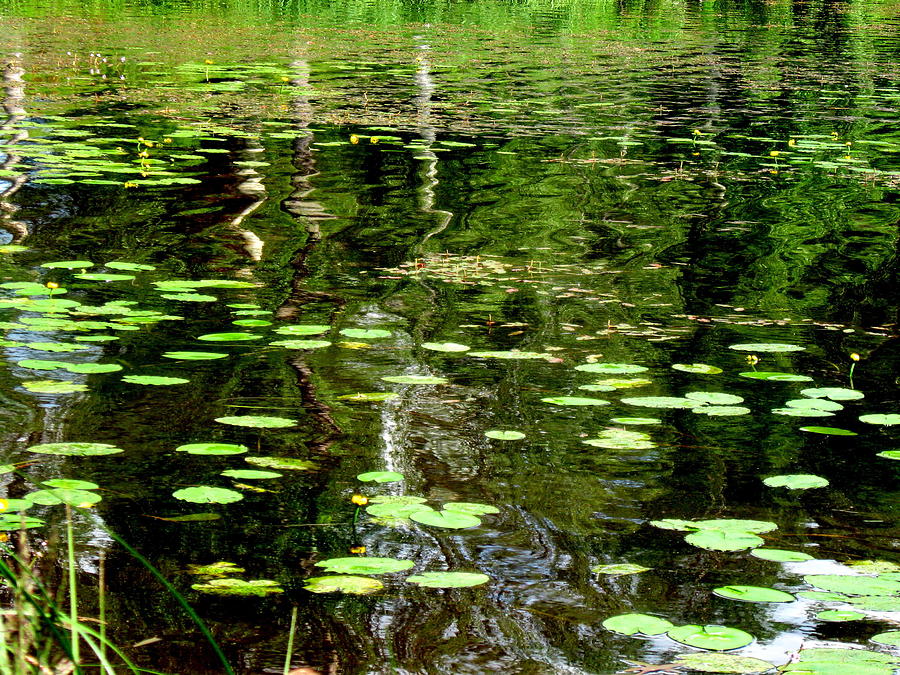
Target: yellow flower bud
point(4, 504)
point(354, 139)
point(359, 500)
point(854, 356)
point(374, 139)
point(359, 550)
point(792, 142)
point(774, 153)
point(51, 285)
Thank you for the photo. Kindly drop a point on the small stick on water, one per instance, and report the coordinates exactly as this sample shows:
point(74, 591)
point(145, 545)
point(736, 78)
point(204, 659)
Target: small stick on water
point(290, 644)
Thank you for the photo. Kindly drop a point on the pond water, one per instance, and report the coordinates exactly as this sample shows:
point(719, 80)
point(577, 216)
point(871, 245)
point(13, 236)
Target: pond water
point(555, 219)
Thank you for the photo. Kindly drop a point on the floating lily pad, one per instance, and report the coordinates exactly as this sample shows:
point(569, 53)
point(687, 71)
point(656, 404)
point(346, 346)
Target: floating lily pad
point(721, 410)
point(623, 382)
point(574, 400)
point(301, 344)
point(723, 663)
point(735, 525)
point(723, 540)
point(70, 484)
point(753, 594)
point(365, 334)
point(56, 346)
point(216, 569)
point(621, 439)
point(129, 266)
point(619, 569)
point(189, 297)
point(635, 420)
point(42, 364)
point(396, 510)
point(257, 421)
point(796, 481)
point(445, 347)
point(249, 474)
point(596, 387)
point(714, 398)
point(815, 404)
point(833, 393)
point(769, 347)
point(661, 402)
point(372, 396)
point(212, 449)
point(513, 354)
point(802, 412)
point(637, 624)
point(55, 496)
point(780, 555)
point(194, 356)
point(697, 368)
point(719, 638)
point(504, 435)
point(68, 265)
point(890, 454)
point(93, 368)
point(301, 329)
point(839, 615)
point(415, 379)
point(890, 638)
point(833, 661)
point(101, 276)
point(206, 494)
point(10, 522)
point(876, 603)
point(874, 566)
point(75, 449)
point(472, 508)
point(828, 431)
point(255, 588)
point(380, 477)
point(153, 380)
point(674, 524)
point(343, 583)
point(823, 596)
point(229, 337)
point(53, 387)
point(397, 499)
point(885, 420)
point(282, 463)
point(448, 579)
point(449, 519)
point(775, 376)
point(611, 368)
point(365, 565)
point(853, 585)
point(96, 338)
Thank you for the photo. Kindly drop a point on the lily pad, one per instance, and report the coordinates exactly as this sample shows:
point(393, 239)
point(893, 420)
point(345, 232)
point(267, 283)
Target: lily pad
point(596, 387)
point(212, 449)
point(815, 404)
point(769, 347)
point(10, 522)
point(380, 477)
point(301, 329)
point(780, 555)
point(255, 588)
point(189, 297)
point(42, 364)
point(697, 368)
point(853, 585)
point(637, 624)
point(101, 276)
point(206, 494)
point(735, 525)
point(619, 569)
point(635, 420)
point(723, 540)
point(75, 449)
point(775, 376)
point(802, 412)
point(194, 356)
point(53, 387)
point(216, 569)
point(68, 265)
point(723, 663)
point(343, 583)
point(258, 421)
point(621, 439)
point(839, 615)
point(396, 510)
point(415, 379)
point(876, 603)
point(719, 638)
point(796, 481)
point(70, 484)
point(282, 463)
point(301, 344)
point(448, 579)
point(623, 382)
point(834, 661)
point(472, 508)
point(365, 334)
point(823, 596)
point(874, 566)
point(129, 266)
point(512, 354)
point(833, 393)
point(889, 454)
point(829, 431)
point(365, 565)
point(890, 638)
point(55, 496)
point(445, 347)
point(372, 396)
point(884, 420)
point(57, 346)
point(93, 368)
point(611, 368)
point(504, 435)
point(661, 402)
point(721, 410)
point(229, 337)
point(574, 400)
point(397, 499)
point(714, 398)
point(153, 380)
point(249, 474)
point(450, 519)
point(753, 594)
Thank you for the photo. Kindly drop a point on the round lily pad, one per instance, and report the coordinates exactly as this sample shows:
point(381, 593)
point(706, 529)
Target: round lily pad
point(365, 334)
point(153, 380)
point(596, 387)
point(415, 379)
point(574, 400)
point(714, 397)
point(504, 435)
point(93, 368)
point(448, 579)
point(735, 525)
point(796, 481)
point(449, 519)
point(69, 496)
point(611, 368)
point(876, 603)
point(251, 322)
point(75, 449)
point(890, 638)
point(206, 494)
point(769, 347)
point(839, 615)
point(343, 583)
point(890, 454)
point(721, 410)
point(249, 474)
point(364, 565)
point(852, 584)
point(723, 663)
point(753, 594)
point(718, 638)
point(635, 420)
point(68, 264)
point(258, 421)
point(661, 402)
point(815, 404)
point(53, 387)
point(775, 376)
point(828, 431)
point(70, 484)
point(779, 555)
point(283, 463)
point(101, 276)
point(396, 510)
point(239, 587)
point(194, 356)
point(380, 477)
point(697, 368)
point(301, 344)
point(372, 396)
point(445, 347)
point(212, 449)
point(802, 412)
point(637, 624)
point(723, 540)
point(619, 569)
point(885, 420)
point(229, 337)
point(300, 329)
point(833, 393)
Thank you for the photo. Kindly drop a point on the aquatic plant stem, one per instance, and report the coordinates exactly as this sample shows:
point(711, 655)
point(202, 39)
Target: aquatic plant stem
point(73, 591)
point(101, 590)
point(290, 644)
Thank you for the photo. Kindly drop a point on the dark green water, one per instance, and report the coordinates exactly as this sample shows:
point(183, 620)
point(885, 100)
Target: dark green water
point(630, 183)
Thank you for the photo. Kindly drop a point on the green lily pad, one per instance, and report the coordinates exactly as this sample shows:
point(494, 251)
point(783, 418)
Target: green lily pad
point(512, 354)
point(154, 380)
point(129, 266)
point(823, 596)
point(596, 387)
point(661, 402)
point(839, 615)
point(637, 624)
point(301, 344)
point(674, 524)
point(55, 496)
point(611, 368)
point(10, 522)
point(635, 420)
point(365, 334)
point(802, 412)
point(619, 569)
point(449, 519)
point(723, 663)
point(890, 638)
point(68, 265)
point(448, 579)
point(194, 356)
point(301, 329)
point(397, 499)
point(96, 338)
point(828, 431)
point(53, 387)
point(282, 463)
point(75, 449)
point(258, 421)
point(876, 603)
point(719, 638)
point(889, 454)
point(365, 565)
point(381, 477)
point(415, 379)
point(229, 337)
point(721, 410)
point(574, 400)
point(735, 525)
point(723, 540)
point(445, 347)
point(216, 569)
point(372, 396)
point(93, 368)
point(189, 297)
point(504, 435)
point(769, 347)
point(815, 404)
point(874, 566)
point(621, 439)
point(101, 276)
point(623, 382)
point(775, 376)
point(42, 364)
point(697, 368)
point(833, 661)
point(472, 508)
point(796, 481)
point(833, 393)
point(249, 474)
point(853, 585)
point(255, 588)
point(780, 555)
point(56, 346)
point(212, 449)
point(206, 494)
point(753, 594)
point(396, 510)
point(885, 420)
point(70, 484)
point(343, 583)
point(714, 398)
